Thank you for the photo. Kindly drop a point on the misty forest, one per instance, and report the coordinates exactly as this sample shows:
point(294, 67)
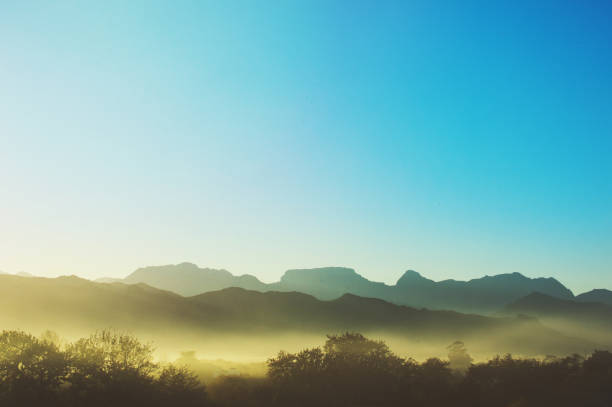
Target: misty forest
point(308, 340)
point(110, 368)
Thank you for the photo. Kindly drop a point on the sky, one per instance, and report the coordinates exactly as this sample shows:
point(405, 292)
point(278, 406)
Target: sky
point(458, 139)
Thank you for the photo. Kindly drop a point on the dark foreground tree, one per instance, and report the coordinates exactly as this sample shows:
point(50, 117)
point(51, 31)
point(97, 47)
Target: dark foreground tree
point(350, 370)
point(110, 367)
point(31, 370)
point(179, 386)
point(106, 369)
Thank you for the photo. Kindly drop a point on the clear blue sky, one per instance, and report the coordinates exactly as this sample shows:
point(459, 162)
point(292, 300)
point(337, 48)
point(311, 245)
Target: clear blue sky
point(454, 138)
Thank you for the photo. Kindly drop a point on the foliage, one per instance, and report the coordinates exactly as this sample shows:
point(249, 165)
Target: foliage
point(108, 368)
point(111, 368)
point(31, 369)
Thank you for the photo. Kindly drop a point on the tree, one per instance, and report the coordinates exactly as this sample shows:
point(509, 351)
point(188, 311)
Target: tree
point(303, 365)
point(180, 386)
point(31, 370)
point(350, 369)
point(458, 357)
point(597, 377)
point(110, 366)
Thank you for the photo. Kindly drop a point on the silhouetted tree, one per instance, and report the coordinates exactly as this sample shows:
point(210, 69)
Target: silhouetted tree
point(107, 368)
point(434, 384)
point(351, 368)
point(111, 366)
point(115, 369)
point(31, 369)
point(179, 386)
point(597, 377)
point(458, 357)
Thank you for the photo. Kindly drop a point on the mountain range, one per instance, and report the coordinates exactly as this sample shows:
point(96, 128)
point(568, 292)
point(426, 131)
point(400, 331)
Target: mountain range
point(75, 306)
point(482, 295)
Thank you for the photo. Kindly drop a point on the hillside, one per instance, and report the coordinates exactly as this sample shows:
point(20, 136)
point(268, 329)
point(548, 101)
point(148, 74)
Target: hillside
point(591, 320)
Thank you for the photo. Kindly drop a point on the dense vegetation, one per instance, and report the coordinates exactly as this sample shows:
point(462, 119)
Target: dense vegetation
point(106, 369)
point(110, 368)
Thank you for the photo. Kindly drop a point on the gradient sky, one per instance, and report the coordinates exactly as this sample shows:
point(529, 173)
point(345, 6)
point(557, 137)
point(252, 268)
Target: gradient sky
point(454, 138)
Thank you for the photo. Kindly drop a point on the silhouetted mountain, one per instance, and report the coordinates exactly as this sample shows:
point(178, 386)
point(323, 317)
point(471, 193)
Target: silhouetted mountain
point(188, 279)
point(327, 283)
point(482, 295)
point(486, 294)
point(598, 295)
point(75, 306)
point(414, 279)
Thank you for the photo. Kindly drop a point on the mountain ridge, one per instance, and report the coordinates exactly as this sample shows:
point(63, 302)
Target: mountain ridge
point(487, 294)
point(78, 306)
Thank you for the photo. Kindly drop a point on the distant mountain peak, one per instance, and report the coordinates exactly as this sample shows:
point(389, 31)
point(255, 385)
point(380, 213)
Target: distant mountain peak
point(507, 276)
point(184, 267)
point(189, 279)
point(187, 265)
point(412, 277)
point(324, 270)
point(600, 290)
point(597, 295)
point(485, 295)
point(320, 273)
